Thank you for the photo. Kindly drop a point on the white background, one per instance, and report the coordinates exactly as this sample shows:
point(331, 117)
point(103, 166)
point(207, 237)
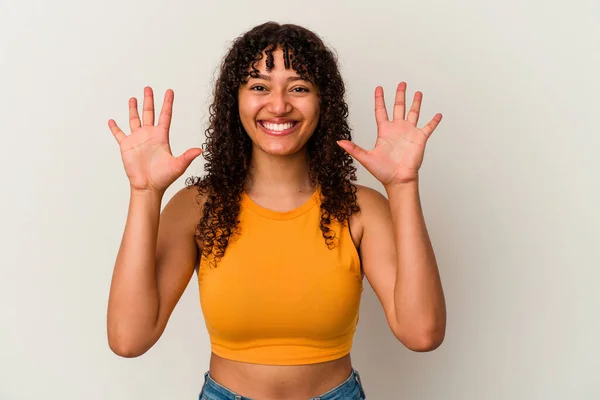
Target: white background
point(509, 185)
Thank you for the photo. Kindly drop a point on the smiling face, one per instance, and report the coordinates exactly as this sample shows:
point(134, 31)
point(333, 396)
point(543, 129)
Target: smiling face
point(278, 109)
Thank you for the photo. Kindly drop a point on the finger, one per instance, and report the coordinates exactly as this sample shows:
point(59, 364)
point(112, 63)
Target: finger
point(430, 127)
point(354, 150)
point(415, 109)
point(134, 115)
point(184, 160)
point(380, 111)
point(116, 131)
point(148, 112)
point(400, 102)
point(164, 119)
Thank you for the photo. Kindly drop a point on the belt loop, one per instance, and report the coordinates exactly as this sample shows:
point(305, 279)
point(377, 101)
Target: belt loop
point(360, 386)
point(238, 397)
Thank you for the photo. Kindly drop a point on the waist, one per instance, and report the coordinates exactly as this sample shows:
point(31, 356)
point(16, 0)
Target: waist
point(279, 382)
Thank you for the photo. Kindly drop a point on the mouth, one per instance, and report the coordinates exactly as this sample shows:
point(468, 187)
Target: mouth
point(278, 129)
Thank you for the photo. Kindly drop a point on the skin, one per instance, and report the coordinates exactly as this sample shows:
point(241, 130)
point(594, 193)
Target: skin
point(156, 260)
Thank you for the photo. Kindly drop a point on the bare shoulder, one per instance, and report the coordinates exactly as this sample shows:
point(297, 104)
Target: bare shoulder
point(183, 211)
point(369, 197)
point(374, 207)
point(189, 200)
point(371, 203)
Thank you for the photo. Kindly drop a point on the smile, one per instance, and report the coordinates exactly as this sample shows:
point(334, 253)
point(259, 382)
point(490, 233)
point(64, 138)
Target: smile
point(278, 129)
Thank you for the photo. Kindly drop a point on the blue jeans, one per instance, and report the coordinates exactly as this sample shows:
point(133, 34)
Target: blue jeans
point(350, 389)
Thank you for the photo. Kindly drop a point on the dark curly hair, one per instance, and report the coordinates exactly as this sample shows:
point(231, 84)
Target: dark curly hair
point(228, 149)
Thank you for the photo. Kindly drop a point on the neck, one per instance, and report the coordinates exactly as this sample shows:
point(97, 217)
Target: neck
point(278, 175)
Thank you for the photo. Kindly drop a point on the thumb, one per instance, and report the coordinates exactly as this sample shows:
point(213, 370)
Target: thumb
point(184, 160)
point(354, 150)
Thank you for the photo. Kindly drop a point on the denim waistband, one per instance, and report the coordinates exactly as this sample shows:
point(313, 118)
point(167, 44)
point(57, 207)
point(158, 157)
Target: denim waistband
point(350, 389)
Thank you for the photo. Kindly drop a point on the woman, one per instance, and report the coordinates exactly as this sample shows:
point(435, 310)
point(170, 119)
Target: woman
point(279, 235)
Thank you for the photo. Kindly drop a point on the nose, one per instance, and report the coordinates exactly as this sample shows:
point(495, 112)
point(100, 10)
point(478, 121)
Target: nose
point(279, 103)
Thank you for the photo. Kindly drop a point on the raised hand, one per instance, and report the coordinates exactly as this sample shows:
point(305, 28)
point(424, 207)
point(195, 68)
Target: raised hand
point(146, 153)
point(400, 146)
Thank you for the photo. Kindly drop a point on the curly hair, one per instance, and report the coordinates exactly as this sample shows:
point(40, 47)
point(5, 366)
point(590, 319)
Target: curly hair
point(228, 149)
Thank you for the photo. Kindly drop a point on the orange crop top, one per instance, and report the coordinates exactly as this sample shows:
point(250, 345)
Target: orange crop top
point(279, 296)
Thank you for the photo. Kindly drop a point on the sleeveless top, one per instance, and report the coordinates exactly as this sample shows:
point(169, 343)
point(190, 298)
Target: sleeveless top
point(279, 295)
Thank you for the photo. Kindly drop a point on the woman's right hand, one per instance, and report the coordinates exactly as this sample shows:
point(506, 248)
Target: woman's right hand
point(147, 158)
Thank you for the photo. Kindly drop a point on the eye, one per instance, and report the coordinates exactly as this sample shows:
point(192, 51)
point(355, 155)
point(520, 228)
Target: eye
point(300, 89)
point(258, 88)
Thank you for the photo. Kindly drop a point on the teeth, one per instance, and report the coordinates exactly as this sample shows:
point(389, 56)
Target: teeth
point(278, 127)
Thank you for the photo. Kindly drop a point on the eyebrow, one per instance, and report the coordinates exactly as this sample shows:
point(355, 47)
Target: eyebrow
point(268, 78)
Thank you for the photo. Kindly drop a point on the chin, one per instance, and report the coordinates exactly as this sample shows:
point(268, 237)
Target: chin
point(285, 146)
point(275, 149)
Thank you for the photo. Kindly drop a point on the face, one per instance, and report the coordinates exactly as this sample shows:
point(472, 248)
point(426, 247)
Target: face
point(278, 110)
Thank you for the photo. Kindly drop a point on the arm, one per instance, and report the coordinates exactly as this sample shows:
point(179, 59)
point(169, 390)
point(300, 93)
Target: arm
point(154, 265)
point(420, 308)
point(400, 266)
point(158, 253)
point(398, 258)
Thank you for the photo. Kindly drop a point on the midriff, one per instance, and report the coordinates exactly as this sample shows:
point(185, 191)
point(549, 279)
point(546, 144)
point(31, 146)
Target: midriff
point(279, 382)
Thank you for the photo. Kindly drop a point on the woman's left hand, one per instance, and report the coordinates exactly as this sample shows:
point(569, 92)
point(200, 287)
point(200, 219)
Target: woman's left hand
point(400, 146)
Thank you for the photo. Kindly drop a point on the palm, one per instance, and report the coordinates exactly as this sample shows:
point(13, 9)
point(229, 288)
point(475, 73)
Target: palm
point(147, 158)
point(397, 151)
point(400, 145)
point(146, 153)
